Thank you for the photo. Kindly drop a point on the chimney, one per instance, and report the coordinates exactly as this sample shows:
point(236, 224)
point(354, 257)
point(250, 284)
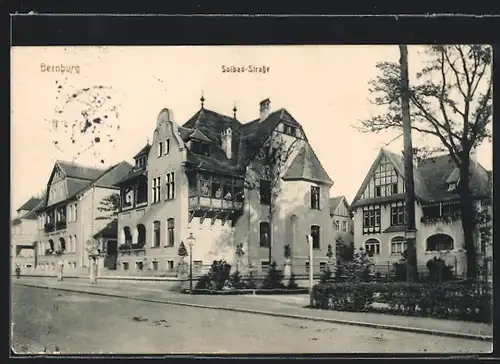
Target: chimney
point(227, 142)
point(264, 109)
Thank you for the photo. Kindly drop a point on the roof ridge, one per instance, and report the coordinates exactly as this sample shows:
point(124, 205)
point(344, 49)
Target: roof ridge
point(72, 163)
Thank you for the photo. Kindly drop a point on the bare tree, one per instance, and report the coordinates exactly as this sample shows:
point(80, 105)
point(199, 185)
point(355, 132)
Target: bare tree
point(450, 101)
point(271, 161)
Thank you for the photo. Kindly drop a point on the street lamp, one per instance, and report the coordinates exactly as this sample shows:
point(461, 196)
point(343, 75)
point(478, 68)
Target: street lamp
point(191, 240)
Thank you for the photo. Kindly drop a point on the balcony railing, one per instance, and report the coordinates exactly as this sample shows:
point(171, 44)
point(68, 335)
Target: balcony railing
point(216, 203)
point(49, 227)
point(445, 219)
point(61, 224)
point(132, 249)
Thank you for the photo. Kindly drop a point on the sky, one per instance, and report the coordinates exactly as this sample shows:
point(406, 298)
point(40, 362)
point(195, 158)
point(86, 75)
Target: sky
point(325, 88)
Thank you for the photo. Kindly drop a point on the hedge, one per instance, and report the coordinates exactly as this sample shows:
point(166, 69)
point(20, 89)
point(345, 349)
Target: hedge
point(258, 291)
point(454, 300)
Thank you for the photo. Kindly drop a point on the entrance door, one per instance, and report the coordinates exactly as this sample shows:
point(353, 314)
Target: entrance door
point(111, 254)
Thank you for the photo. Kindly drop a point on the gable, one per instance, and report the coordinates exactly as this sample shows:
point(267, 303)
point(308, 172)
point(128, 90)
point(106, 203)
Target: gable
point(339, 206)
point(306, 166)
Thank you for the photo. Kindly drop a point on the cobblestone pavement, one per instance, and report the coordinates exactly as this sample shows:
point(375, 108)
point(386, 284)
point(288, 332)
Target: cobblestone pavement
point(79, 323)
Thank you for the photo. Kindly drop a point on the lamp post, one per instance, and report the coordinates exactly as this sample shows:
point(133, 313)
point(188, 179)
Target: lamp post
point(190, 240)
point(309, 240)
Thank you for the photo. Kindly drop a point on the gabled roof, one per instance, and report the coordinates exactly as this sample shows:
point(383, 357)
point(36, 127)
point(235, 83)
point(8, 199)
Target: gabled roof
point(306, 166)
point(29, 205)
point(247, 138)
point(431, 178)
point(73, 170)
point(143, 151)
point(335, 203)
point(107, 179)
point(198, 135)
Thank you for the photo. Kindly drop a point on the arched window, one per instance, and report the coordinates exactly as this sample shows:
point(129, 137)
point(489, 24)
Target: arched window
point(74, 244)
point(141, 235)
point(265, 234)
point(170, 232)
point(62, 245)
point(51, 244)
point(439, 242)
point(315, 233)
point(70, 244)
point(128, 235)
point(156, 234)
point(398, 245)
point(372, 246)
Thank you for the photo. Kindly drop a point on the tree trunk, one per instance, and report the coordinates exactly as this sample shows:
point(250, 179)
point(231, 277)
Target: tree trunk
point(467, 217)
point(408, 168)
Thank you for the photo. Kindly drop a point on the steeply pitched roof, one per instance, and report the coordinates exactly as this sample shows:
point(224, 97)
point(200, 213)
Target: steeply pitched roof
point(247, 138)
point(107, 178)
point(306, 166)
point(431, 178)
point(143, 151)
point(198, 135)
point(73, 170)
point(335, 202)
point(32, 203)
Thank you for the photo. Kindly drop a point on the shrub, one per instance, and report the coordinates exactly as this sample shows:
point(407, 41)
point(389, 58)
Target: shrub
point(274, 278)
point(291, 282)
point(250, 281)
point(356, 270)
point(236, 280)
point(470, 301)
point(439, 271)
point(217, 276)
point(326, 275)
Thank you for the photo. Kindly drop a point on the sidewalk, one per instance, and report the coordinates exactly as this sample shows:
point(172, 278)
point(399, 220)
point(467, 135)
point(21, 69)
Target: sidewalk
point(283, 306)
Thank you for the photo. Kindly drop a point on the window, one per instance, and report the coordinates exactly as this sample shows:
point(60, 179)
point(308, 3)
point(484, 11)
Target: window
point(315, 197)
point(265, 237)
point(308, 266)
point(170, 180)
point(322, 266)
point(265, 192)
point(289, 130)
point(371, 219)
point(156, 234)
point(337, 225)
point(156, 189)
point(227, 189)
point(385, 179)
point(200, 148)
point(372, 247)
point(128, 197)
point(439, 242)
point(154, 265)
point(344, 226)
point(170, 232)
point(142, 191)
point(160, 149)
point(398, 214)
point(125, 265)
point(170, 265)
point(167, 146)
point(76, 210)
point(264, 266)
point(315, 233)
point(215, 191)
point(197, 266)
point(452, 186)
point(139, 265)
point(398, 245)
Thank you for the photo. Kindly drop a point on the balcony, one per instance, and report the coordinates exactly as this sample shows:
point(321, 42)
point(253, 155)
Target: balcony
point(199, 202)
point(132, 250)
point(61, 224)
point(444, 219)
point(49, 227)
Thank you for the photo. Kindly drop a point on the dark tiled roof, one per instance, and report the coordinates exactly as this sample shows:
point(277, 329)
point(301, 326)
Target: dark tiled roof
point(335, 202)
point(431, 178)
point(143, 151)
point(30, 204)
point(133, 173)
point(109, 231)
point(395, 229)
point(306, 166)
point(198, 135)
point(72, 170)
point(114, 174)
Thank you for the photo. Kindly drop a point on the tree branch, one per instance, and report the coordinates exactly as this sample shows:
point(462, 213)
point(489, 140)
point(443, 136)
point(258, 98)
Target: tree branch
point(455, 71)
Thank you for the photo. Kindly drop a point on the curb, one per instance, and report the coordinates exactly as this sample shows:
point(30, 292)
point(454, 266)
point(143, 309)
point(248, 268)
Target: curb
point(284, 315)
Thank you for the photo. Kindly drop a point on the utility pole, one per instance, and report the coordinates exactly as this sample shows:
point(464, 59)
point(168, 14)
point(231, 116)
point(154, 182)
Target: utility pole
point(410, 233)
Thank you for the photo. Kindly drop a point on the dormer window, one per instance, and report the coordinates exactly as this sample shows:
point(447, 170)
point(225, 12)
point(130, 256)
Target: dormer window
point(452, 186)
point(200, 148)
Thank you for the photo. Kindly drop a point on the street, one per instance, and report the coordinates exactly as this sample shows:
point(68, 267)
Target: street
point(78, 323)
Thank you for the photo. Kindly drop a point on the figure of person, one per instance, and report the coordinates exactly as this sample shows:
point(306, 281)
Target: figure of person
point(18, 271)
point(93, 270)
